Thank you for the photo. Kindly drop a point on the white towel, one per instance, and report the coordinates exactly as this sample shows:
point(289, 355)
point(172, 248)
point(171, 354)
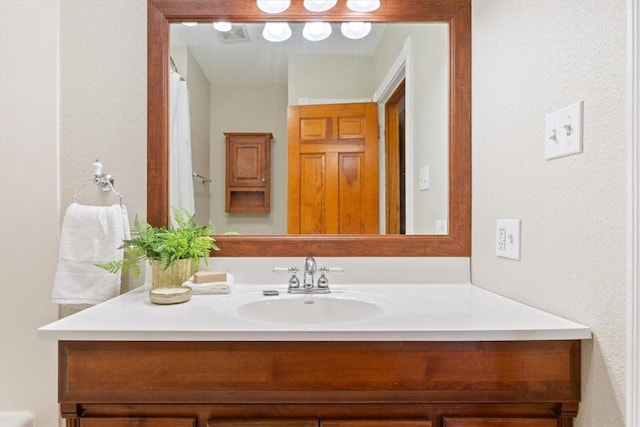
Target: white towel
point(210, 288)
point(90, 235)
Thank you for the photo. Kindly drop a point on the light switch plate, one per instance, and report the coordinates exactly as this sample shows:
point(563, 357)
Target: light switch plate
point(508, 238)
point(563, 132)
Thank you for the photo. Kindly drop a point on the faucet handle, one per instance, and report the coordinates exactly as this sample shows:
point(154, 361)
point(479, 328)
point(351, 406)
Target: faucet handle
point(331, 270)
point(323, 282)
point(294, 282)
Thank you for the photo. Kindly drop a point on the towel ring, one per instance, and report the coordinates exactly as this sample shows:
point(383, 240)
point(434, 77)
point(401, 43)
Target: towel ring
point(108, 186)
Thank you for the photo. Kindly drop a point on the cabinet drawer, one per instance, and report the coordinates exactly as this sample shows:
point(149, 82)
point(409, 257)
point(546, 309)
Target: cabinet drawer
point(376, 423)
point(499, 422)
point(271, 422)
point(137, 422)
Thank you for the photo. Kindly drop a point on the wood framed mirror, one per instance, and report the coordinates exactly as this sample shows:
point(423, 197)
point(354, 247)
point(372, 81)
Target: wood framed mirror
point(456, 13)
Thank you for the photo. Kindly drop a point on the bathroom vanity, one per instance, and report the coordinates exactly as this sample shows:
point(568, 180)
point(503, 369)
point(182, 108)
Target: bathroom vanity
point(437, 355)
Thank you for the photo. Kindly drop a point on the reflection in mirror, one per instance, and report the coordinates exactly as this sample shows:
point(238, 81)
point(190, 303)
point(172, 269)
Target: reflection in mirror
point(239, 82)
point(455, 13)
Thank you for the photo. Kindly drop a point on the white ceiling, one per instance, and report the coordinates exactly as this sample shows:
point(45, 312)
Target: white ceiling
point(258, 60)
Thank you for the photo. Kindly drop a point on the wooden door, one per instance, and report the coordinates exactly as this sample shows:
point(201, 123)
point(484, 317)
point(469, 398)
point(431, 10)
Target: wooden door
point(333, 169)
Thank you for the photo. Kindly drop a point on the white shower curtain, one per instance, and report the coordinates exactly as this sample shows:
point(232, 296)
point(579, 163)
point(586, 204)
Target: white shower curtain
point(180, 169)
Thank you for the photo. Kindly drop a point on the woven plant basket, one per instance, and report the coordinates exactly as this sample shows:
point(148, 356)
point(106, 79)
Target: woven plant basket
point(175, 275)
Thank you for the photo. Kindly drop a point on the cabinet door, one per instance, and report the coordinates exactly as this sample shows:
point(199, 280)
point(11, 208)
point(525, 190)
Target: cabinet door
point(376, 423)
point(499, 422)
point(262, 423)
point(247, 163)
point(137, 422)
point(248, 172)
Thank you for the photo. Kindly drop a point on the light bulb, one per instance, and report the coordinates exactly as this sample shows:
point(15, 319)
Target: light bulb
point(276, 31)
point(222, 26)
point(273, 6)
point(355, 30)
point(363, 5)
point(316, 31)
point(319, 5)
point(190, 24)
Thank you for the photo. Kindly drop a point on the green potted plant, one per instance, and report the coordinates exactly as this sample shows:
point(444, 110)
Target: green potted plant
point(174, 251)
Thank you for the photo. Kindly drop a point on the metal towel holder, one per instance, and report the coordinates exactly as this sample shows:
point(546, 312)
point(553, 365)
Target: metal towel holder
point(102, 180)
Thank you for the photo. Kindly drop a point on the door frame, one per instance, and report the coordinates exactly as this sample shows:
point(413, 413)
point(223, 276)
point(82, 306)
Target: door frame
point(392, 161)
point(401, 70)
point(633, 228)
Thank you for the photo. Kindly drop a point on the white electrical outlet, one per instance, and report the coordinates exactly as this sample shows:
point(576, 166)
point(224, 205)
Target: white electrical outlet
point(508, 238)
point(442, 226)
point(424, 178)
point(563, 132)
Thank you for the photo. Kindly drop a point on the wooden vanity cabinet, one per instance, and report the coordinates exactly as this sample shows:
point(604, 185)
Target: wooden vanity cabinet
point(248, 172)
point(319, 384)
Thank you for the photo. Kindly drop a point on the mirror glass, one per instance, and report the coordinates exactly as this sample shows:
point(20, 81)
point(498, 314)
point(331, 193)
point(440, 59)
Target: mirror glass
point(454, 14)
point(239, 82)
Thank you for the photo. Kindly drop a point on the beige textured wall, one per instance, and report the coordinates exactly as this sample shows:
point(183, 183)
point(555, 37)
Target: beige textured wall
point(329, 77)
point(103, 99)
point(29, 209)
point(250, 108)
point(530, 58)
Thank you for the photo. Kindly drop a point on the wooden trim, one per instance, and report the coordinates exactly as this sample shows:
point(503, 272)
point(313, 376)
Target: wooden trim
point(157, 116)
point(456, 12)
point(392, 160)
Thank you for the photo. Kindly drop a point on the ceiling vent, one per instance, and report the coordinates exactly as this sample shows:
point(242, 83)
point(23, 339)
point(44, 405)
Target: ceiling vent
point(237, 34)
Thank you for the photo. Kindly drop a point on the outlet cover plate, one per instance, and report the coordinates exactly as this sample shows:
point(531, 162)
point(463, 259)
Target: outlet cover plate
point(508, 238)
point(424, 178)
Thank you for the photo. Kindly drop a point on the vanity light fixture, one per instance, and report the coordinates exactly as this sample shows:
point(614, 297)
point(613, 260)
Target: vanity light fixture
point(319, 5)
point(363, 5)
point(355, 30)
point(316, 31)
point(276, 31)
point(222, 26)
point(273, 6)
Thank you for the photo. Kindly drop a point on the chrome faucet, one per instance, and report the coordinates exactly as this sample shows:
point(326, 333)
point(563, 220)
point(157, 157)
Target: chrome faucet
point(309, 284)
point(310, 269)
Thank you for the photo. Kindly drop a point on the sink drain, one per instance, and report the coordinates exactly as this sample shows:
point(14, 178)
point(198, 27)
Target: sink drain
point(309, 301)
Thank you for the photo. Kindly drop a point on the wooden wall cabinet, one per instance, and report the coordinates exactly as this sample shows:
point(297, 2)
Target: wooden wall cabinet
point(319, 384)
point(248, 172)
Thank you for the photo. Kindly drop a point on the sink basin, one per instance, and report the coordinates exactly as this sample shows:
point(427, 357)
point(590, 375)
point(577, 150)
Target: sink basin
point(339, 307)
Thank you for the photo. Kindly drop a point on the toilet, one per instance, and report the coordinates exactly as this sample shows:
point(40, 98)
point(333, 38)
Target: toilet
point(17, 419)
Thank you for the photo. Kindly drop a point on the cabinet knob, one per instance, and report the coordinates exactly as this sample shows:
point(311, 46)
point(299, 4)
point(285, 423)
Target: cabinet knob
point(264, 180)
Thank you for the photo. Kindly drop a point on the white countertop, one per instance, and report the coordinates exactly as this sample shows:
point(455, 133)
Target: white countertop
point(458, 312)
